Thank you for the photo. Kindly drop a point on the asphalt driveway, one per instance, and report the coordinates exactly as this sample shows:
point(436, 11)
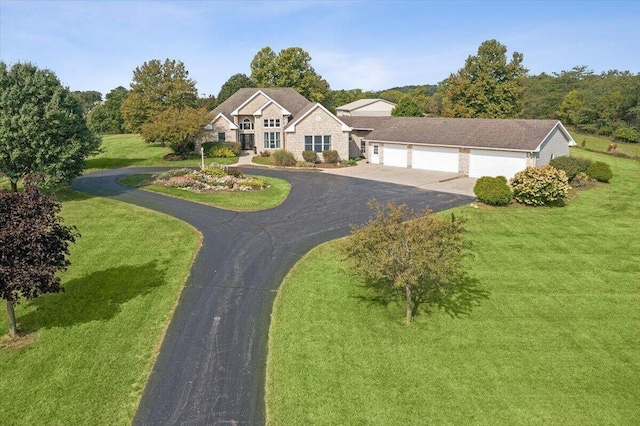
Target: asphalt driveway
point(211, 365)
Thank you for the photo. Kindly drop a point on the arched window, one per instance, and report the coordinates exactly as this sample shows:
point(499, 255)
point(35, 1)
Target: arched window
point(246, 124)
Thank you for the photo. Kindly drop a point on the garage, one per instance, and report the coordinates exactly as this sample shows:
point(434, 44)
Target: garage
point(496, 163)
point(395, 155)
point(435, 158)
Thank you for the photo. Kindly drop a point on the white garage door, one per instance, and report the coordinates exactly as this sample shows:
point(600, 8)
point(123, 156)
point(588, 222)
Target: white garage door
point(435, 158)
point(496, 163)
point(395, 155)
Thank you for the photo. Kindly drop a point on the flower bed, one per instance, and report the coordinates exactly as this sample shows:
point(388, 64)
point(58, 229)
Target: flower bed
point(213, 178)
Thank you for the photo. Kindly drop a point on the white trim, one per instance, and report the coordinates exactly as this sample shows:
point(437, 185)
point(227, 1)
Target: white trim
point(259, 92)
point(291, 128)
point(232, 125)
point(562, 130)
point(451, 146)
point(258, 113)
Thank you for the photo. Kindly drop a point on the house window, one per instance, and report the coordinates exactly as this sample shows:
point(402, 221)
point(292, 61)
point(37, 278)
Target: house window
point(317, 143)
point(363, 147)
point(246, 124)
point(271, 122)
point(222, 136)
point(272, 140)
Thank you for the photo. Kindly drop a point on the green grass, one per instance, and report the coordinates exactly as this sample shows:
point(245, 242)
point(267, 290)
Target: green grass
point(601, 143)
point(131, 150)
point(265, 161)
point(237, 201)
point(557, 342)
point(88, 351)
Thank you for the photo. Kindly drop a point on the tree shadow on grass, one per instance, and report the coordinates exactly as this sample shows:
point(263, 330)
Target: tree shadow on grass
point(95, 297)
point(457, 299)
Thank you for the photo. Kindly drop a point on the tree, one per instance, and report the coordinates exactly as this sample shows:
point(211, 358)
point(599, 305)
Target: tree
point(231, 86)
point(407, 108)
point(392, 95)
point(176, 128)
point(417, 256)
point(33, 247)
point(107, 118)
point(487, 86)
point(207, 102)
point(570, 108)
point(157, 86)
point(88, 100)
point(291, 67)
point(41, 127)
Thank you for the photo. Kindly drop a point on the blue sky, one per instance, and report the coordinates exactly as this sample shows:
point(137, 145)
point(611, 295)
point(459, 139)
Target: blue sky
point(94, 45)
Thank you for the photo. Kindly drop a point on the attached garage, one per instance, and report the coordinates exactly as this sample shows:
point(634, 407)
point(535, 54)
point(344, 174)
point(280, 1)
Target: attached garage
point(435, 158)
point(496, 163)
point(395, 155)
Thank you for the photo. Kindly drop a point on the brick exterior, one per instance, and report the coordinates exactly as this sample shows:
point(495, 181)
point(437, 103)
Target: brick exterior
point(463, 161)
point(318, 122)
point(354, 145)
point(253, 106)
point(270, 112)
point(531, 160)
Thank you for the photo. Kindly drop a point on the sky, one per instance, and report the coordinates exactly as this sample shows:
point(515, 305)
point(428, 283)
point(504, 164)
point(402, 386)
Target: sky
point(372, 45)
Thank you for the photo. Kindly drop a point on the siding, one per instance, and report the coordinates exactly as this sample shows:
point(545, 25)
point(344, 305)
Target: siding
point(376, 109)
point(556, 144)
point(318, 123)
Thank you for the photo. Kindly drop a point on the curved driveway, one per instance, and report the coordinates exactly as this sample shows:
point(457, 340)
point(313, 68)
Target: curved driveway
point(211, 365)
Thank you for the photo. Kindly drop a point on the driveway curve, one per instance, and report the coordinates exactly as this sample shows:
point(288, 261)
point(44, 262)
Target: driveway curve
point(211, 365)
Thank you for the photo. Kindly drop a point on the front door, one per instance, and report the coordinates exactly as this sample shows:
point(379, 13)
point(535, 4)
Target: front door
point(246, 140)
point(374, 157)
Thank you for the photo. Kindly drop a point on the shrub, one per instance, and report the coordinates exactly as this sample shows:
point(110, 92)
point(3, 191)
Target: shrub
point(235, 172)
point(172, 173)
point(600, 171)
point(235, 147)
point(305, 164)
point(282, 157)
point(254, 183)
point(627, 134)
point(330, 156)
point(265, 154)
point(571, 165)
point(310, 156)
point(220, 152)
point(580, 179)
point(493, 191)
point(214, 172)
point(536, 186)
point(222, 149)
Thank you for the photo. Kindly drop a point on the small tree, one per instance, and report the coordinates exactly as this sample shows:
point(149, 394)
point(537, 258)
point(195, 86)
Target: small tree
point(175, 128)
point(33, 247)
point(418, 254)
point(407, 108)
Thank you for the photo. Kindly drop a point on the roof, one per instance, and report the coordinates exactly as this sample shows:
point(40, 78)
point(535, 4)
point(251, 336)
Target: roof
point(365, 122)
point(504, 134)
point(287, 97)
point(361, 103)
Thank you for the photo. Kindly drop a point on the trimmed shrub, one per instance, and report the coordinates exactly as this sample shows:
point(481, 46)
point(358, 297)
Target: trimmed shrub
point(537, 186)
point(310, 156)
point(220, 152)
point(571, 165)
point(235, 172)
point(213, 149)
point(330, 156)
point(282, 157)
point(214, 172)
point(493, 190)
point(581, 179)
point(600, 171)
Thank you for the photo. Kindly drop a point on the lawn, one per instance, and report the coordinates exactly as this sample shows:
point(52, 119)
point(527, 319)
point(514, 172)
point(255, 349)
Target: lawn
point(131, 150)
point(88, 351)
point(237, 201)
point(557, 342)
point(601, 143)
point(265, 161)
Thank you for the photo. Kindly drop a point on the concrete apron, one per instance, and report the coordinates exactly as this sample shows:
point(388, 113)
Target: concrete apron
point(455, 183)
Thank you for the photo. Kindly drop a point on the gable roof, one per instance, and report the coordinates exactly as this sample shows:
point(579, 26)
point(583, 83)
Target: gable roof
point(291, 127)
point(361, 103)
point(503, 134)
point(285, 97)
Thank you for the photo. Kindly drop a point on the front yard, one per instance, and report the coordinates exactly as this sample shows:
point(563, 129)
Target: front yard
point(557, 342)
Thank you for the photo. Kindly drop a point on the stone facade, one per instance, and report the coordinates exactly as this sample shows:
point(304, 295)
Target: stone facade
point(253, 105)
point(318, 122)
point(463, 161)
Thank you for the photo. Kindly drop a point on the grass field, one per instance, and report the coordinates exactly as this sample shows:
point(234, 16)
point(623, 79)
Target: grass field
point(557, 342)
point(265, 161)
point(130, 150)
point(238, 201)
point(600, 143)
point(87, 351)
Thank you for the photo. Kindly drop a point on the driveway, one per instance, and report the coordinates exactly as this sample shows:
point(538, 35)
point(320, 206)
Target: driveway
point(211, 365)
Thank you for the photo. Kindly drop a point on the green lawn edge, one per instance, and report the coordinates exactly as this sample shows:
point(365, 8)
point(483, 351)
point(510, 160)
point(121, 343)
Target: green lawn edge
point(557, 342)
point(235, 201)
point(89, 350)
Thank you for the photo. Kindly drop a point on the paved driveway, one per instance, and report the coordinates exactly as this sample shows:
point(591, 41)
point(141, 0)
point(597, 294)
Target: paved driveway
point(211, 365)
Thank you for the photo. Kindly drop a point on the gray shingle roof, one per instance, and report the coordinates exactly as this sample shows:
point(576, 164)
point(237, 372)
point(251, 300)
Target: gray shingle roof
point(360, 103)
point(285, 96)
point(510, 134)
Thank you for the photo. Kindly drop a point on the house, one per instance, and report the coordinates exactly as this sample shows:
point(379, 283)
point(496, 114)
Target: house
point(473, 147)
point(266, 119)
point(367, 108)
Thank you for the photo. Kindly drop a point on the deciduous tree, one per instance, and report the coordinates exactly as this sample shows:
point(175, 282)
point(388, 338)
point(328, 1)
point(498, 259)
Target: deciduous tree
point(231, 86)
point(407, 108)
point(107, 118)
point(416, 256)
point(157, 86)
point(88, 100)
point(176, 128)
point(34, 245)
point(487, 86)
point(41, 127)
